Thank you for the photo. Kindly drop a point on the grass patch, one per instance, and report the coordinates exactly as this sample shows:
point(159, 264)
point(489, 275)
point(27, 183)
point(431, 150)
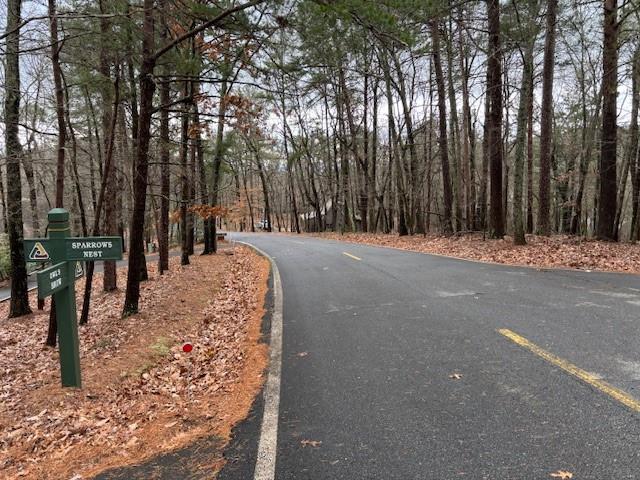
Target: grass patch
point(158, 349)
point(161, 347)
point(103, 343)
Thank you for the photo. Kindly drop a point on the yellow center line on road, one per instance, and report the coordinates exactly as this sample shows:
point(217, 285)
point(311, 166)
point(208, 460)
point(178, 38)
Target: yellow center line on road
point(589, 378)
point(351, 256)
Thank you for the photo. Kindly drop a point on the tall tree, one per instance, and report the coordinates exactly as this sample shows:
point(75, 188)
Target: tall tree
point(19, 303)
point(109, 278)
point(494, 130)
point(521, 140)
point(165, 172)
point(634, 151)
point(147, 87)
point(442, 122)
point(608, 149)
point(546, 120)
point(56, 46)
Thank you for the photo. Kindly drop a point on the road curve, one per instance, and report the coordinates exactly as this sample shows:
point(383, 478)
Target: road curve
point(395, 365)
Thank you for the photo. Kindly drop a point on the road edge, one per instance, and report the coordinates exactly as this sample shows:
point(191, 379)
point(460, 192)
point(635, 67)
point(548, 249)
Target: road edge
point(265, 468)
point(472, 260)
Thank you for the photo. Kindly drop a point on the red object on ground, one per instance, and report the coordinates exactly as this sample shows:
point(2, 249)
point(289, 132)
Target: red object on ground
point(187, 347)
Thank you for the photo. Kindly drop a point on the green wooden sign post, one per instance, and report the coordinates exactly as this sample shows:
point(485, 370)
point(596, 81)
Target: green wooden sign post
point(65, 253)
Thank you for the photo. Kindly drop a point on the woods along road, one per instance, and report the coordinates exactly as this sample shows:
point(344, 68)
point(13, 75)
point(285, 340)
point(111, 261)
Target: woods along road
point(400, 365)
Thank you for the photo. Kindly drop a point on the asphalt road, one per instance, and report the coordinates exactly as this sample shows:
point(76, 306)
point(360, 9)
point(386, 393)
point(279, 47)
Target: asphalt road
point(394, 367)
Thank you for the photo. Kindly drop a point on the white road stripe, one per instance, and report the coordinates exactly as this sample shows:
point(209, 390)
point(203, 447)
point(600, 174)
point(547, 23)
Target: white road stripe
point(268, 444)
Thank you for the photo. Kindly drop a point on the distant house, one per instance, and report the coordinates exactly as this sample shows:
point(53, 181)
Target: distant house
point(327, 221)
point(311, 223)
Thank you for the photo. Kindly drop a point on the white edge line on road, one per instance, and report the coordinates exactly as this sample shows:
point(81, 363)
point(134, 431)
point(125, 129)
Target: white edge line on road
point(268, 442)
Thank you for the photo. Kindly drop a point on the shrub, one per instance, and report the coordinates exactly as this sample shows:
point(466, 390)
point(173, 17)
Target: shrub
point(5, 257)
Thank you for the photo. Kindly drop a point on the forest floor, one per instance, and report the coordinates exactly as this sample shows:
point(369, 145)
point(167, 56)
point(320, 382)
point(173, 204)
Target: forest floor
point(558, 251)
point(142, 394)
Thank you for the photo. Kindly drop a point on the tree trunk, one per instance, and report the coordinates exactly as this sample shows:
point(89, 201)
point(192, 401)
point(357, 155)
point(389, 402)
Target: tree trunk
point(633, 148)
point(373, 217)
point(136, 237)
point(546, 121)
point(165, 172)
point(265, 189)
point(191, 175)
point(59, 93)
point(364, 191)
point(74, 165)
point(494, 90)
point(457, 179)
point(88, 285)
point(62, 135)
point(467, 167)
point(27, 165)
point(19, 303)
point(184, 182)
point(412, 183)
point(521, 140)
point(607, 197)
point(204, 193)
point(530, 155)
point(217, 160)
point(442, 120)
point(109, 277)
point(484, 180)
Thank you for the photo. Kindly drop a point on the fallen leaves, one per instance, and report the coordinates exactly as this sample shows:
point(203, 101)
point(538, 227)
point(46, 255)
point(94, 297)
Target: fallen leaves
point(558, 251)
point(455, 376)
point(562, 474)
point(141, 393)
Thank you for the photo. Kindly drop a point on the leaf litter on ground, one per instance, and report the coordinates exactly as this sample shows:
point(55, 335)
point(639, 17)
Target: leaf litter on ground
point(557, 251)
point(141, 393)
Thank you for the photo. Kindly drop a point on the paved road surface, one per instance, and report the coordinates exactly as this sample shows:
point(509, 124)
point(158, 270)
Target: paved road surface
point(393, 367)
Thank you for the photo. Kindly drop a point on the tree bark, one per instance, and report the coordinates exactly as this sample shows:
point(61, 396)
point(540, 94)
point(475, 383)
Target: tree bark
point(494, 90)
point(141, 167)
point(109, 277)
point(19, 303)
point(62, 135)
point(165, 172)
point(217, 159)
point(608, 149)
point(467, 167)
point(633, 148)
point(546, 121)
point(530, 155)
point(88, 284)
point(184, 181)
point(442, 121)
point(521, 140)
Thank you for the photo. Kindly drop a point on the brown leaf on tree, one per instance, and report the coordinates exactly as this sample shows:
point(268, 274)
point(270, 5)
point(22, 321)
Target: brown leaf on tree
point(207, 211)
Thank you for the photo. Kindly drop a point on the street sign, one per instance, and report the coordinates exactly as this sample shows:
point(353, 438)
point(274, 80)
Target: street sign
point(66, 253)
point(93, 248)
point(79, 270)
point(53, 279)
point(36, 250)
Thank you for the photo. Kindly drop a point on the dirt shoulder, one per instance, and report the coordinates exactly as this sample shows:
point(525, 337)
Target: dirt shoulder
point(558, 251)
point(141, 393)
